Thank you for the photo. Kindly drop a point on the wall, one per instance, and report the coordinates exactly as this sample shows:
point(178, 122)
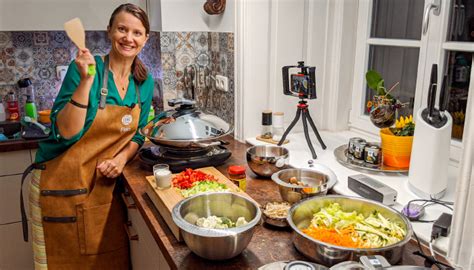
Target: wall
point(320, 32)
point(189, 16)
point(212, 53)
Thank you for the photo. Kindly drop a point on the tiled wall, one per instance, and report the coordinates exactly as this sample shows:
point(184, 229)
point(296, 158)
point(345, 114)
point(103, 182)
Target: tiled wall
point(211, 51)
point(36, 55)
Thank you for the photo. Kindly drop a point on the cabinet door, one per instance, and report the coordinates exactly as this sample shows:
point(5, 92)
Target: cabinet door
point(31, 15)
point(10, 198)
point(14, 162)
point(14, 252)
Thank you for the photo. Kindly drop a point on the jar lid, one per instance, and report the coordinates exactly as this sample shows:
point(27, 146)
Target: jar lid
point(24, 82)
point(236, 169)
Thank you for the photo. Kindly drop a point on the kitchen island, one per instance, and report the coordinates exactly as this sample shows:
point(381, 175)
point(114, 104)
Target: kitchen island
point(267, 245)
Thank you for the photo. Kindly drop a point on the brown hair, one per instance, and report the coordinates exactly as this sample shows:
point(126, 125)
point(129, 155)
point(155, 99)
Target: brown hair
point(139, 71)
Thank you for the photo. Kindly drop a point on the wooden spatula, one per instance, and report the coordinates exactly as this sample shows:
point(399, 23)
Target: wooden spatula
point(76, 33)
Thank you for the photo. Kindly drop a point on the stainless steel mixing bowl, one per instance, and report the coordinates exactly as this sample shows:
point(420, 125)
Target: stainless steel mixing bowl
point(316, 183)
point(265, 160)
point(300, 215)
point(216, 244)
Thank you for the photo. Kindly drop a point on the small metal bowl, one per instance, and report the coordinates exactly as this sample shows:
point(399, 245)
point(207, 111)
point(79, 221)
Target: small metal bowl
point(316, 183)
point(277, 222)
point(265, 160)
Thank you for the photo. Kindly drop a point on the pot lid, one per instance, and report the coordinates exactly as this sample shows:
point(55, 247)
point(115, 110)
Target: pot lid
point(185, 123)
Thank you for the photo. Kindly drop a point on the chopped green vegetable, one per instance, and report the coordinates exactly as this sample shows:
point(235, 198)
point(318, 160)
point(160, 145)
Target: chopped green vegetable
point(203, 186)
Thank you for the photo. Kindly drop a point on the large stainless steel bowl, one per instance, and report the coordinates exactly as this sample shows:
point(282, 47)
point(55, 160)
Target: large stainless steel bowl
point(216, 244)
point(300, 215)
point(315, 183)
point(265, 160)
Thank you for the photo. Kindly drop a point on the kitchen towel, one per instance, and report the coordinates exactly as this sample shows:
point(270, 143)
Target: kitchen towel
point(461, 251)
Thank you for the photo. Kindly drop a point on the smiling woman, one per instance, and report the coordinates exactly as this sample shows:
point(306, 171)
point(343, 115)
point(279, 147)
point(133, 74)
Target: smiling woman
point(76, 217)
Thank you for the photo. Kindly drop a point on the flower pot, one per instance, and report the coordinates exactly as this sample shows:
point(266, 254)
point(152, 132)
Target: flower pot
point(396, 150)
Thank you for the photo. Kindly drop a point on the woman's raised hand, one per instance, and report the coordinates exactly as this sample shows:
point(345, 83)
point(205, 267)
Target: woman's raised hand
point(83, 60)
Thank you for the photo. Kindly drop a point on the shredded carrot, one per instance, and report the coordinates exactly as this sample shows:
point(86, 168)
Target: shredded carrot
point(346, 237)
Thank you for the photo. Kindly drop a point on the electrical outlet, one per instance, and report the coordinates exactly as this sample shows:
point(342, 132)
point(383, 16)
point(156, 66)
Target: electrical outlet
point(222, 83)
point(61, 72)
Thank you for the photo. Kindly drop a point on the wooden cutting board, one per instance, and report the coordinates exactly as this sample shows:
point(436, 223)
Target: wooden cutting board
point(165, 199)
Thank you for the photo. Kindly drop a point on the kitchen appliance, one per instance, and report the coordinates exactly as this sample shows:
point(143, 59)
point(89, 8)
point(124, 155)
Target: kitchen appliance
point(185, 138)
point(303, 86)
point(428, 174)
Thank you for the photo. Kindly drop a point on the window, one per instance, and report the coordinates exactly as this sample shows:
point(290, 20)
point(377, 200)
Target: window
point(391, 40)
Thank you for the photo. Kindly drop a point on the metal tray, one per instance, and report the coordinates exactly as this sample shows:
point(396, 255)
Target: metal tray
point(360, 165)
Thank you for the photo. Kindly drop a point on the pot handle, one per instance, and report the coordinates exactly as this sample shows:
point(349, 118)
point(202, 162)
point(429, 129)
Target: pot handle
point(215, 143)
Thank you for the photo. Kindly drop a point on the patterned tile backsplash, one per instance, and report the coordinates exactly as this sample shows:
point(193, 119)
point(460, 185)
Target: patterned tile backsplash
point(166, 55)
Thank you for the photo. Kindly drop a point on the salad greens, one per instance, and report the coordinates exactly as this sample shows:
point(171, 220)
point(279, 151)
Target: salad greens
point(374, 230)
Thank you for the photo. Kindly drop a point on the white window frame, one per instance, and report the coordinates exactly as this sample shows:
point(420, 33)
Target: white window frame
point(435, 52)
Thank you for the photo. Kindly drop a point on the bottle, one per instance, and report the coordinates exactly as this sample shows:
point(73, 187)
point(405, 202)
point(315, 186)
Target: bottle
point(151, 114)
point(12, 107)
point(278, 128)
point(2, 112)
point(266, 125)
point(238, 176)
point(30, 106)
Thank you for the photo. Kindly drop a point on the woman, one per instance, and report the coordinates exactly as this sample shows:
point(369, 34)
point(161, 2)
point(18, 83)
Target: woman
point(77, 219)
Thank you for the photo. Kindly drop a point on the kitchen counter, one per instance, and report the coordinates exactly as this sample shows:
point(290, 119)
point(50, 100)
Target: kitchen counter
point(18, 144)
point(267, 245)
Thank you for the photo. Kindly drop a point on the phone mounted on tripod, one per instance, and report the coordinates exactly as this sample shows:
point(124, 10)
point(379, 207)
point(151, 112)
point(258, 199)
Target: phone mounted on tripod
point(301, 83)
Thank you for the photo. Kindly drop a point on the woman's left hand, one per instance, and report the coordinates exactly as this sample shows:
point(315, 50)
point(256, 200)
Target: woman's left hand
point(111, 168)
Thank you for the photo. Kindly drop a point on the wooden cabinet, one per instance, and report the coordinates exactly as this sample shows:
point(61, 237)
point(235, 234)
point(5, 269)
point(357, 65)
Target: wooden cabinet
point(14, 252)
point(34, 15)
point(144, 251)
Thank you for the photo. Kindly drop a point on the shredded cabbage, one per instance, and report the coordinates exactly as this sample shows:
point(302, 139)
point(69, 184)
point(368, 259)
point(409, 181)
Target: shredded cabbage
point(374, 230)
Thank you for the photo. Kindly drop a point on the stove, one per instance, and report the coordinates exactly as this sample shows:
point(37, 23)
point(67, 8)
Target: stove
point(179, 159)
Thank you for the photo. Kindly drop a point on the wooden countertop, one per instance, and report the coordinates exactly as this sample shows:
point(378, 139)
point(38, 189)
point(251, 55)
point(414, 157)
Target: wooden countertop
point(17, 145)
point(267, 245)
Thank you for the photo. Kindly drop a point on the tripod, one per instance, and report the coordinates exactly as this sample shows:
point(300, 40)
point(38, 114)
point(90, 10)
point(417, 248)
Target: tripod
point(303, 107)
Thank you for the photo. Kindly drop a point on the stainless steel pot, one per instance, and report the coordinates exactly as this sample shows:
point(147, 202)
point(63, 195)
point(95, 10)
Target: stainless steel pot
point(186, 127)
point(300, 215)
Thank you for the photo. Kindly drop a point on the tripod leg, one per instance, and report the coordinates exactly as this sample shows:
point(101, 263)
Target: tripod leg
point(306, 135)
point(293, 123)
point(310, 120)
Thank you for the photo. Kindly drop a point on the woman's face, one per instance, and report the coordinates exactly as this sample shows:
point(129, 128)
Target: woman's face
point(127, 35)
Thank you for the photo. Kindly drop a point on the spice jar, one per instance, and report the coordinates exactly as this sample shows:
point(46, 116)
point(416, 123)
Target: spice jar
point(266, 125)
point(237, 175)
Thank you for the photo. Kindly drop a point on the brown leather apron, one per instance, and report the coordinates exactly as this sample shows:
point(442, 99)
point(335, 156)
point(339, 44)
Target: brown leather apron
point(83, 220)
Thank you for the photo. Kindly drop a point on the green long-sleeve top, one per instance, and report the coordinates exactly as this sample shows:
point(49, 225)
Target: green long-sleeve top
point(56, 144)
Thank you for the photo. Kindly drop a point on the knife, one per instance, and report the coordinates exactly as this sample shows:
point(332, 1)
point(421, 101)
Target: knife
point(432, 90)
point(443, 95)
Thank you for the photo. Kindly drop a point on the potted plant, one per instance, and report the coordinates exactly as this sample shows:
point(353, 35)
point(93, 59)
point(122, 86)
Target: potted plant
point(383, 106)
point(397, 142)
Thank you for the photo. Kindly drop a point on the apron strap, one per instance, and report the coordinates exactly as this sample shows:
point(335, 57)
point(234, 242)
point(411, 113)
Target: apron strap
point(104, 91)
point(24, 219)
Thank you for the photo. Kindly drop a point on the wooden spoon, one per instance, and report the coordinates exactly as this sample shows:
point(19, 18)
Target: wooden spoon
point(75, 31)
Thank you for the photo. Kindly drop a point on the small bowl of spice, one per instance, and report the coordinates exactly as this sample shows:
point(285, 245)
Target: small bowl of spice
point(275, 213)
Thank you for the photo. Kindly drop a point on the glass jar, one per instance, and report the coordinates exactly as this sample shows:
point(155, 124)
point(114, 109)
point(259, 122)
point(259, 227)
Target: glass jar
point(162, 175)
point(237, 176)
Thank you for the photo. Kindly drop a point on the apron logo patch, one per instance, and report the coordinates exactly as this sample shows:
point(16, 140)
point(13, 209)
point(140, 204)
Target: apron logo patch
point(127, 119)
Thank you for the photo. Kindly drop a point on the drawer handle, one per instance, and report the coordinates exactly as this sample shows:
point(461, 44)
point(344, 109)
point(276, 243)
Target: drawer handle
point(127, 202)
point(127, 230)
